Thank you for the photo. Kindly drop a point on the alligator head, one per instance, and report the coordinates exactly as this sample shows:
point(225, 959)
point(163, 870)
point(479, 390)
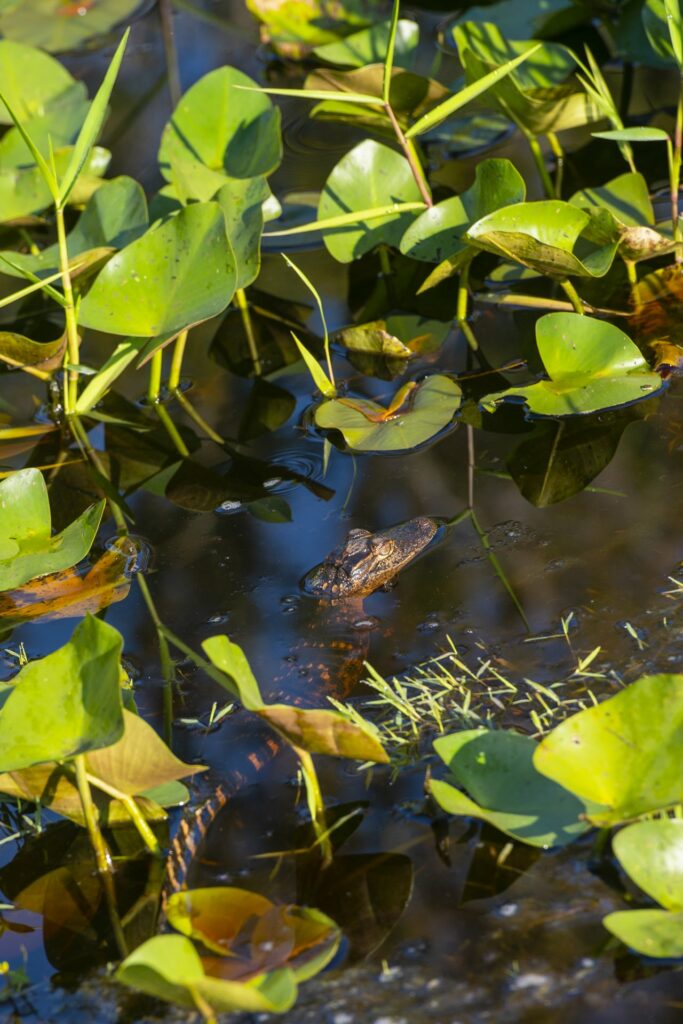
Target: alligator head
point(367, 561)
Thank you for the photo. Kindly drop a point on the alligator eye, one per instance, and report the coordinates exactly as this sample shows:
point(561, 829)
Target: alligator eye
point(382, 546)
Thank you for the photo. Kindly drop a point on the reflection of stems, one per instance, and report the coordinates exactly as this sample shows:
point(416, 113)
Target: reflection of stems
point(469, 335)
point(172, 431)
point(316, 805)
point(177, 361)
point(155, 369)
point(558, 153)
point(498, 568)
point(167, 668)
point(136, 815)
point(92, 454)
point(170, 52)
point(573, 296)
point(102, 856)
point(410, 153)
point(470, 466)
point(537, 154)
point(188, 407)
point(243, 306)
point(73, 341)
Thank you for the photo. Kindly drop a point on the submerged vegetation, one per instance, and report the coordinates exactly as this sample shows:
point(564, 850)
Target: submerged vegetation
point(107, 289)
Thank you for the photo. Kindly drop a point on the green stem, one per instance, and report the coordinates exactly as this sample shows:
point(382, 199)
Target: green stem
point(558, 153)
point(316, 804)
point(188, 407)
point(72, 339)
point(156, 366)
point(469, 335)
point(167, 666)
point(631, 272)
point(497, 568)
point(136, 815)
point(172, 431)
point(243, 306)
point(463, 294)
point(202, 1006)
point(170, 52)
point(573, 296)
point(675, 162)
point(177, 361)
point(411, 155)
point(102, 856)
point(537, 154)
point(82, 439)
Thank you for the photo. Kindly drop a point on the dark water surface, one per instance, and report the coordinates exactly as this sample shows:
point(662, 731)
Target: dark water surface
point(444, 924)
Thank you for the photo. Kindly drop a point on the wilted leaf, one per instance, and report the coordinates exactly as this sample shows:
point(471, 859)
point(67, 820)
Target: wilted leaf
point(325, 732)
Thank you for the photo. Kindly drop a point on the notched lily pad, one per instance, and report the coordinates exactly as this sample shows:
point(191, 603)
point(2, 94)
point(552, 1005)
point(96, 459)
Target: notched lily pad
point(417, 413)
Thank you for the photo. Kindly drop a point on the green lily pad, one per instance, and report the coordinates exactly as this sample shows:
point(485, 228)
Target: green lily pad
point(241, 200)
point(623, 753)
point(294, 27)
point(627, 198)
point(368, 426)
point(497, 770)
point(218, 131)
point(439, 232)
point(170, 968)
point(551, 236)
point(23, 190)
point(651, 854)
point(177, 274)
point(657, 933)
point(59, 126)
point(592, 365)
point(67, 703)
point(33, 82)
point(115, 216)
point(56, 26)
point(370, 175)
point(369, 46)
point(27, 548)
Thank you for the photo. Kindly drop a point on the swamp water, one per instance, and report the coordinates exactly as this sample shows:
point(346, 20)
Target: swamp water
point(445, 920)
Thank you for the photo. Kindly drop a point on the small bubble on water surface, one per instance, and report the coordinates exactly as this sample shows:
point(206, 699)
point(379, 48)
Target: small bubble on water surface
point(342, 1018)
point(530, 981)
point(508, 910)
point(273, 482)
point(215, 620)
point(228, 508)
point(371, 622)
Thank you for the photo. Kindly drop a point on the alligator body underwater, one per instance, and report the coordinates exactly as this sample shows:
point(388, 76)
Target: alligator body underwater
point(330, 660)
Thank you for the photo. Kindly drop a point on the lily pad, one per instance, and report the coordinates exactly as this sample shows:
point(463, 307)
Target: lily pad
point(369, 176)
point(34, 83)
point(23, 190)
point(27, 548)
point(241, 200)
point(622, 753)
point(657, 933)
point(370, 46)
point(627, 198)
point(294, 27)
point(497, 770)
point(79, 683)
point(416, 414)
point(550, 236)
point(592, 365)
point(176, 275)
point(218, 131)
point(55, 26)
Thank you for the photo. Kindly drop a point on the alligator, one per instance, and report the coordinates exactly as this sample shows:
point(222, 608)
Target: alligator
point(332, 661)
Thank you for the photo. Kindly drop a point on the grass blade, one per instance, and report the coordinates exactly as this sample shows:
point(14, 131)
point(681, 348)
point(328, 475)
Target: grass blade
point(92, 125)
point(470, 92)
point(330, 385)
point(346, 219)
point(320, 378)
point(122, 356)
point(318, 94)
point(389, 59)
point(42, 164)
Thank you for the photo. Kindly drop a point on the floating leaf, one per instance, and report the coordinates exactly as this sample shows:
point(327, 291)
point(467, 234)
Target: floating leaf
point(548, 236)
point(369, 175)
point(241, 200)
point(592, 365)
point(176, 275)
point(19, 351)
point(218, 132)
point(33, 83)
point(294, 27)
point(57, 26)
point(232, 661)
point(622, 753)
point(325, 732)
point(506, 790)
point(80, 683)
point(370, 45)
point(169, 967)
point(657, 933)
point(73, 592)
point(417, 414)
point(23, 190)
point(27, 548)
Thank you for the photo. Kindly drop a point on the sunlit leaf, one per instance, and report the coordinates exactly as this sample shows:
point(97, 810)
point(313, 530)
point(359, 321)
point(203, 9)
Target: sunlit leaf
point(591, 365)
point(232, 661)
point(34, 83)
point(325, 732)
point(662, 23)
point(17, 350)
point(622, 753)
point(369, 46)
point(497, 770)
point(23, 190)
point(57, 27)
point(294, 27)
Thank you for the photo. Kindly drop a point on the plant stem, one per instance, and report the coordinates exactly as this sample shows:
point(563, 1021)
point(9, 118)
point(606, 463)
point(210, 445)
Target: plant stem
point(177, 361)
point(102, 856)
point(316, 804)
point(537, 154)
point(410, 153)
point(202, 1006)
point(631, 272)
point(675, 161)
point(136, 815)
point(205, 427)
point(558, 153)
point(471, 466)
point(462, 304)
point(243, 306)
point(172, 431)
point(156, 366)
point(72, 339)
point(573, 296)
point(170, 52)
point(167, 667)
point(92, 454)
point(498, 568)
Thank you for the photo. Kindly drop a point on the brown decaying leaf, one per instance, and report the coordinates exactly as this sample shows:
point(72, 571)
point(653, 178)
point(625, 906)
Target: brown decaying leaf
point(324, 732)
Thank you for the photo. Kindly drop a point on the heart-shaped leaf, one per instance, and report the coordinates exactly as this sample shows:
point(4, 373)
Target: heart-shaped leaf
point(369, 46)
point(23, 190)
point(592, 365)
point(417, 413)
point(80, 683)
point(325, 732)
point(33, 83)
point(27, 548)
point(370, 175)
point(506, 790)
point(177, 274)
point(627, 198)
point(622, 753)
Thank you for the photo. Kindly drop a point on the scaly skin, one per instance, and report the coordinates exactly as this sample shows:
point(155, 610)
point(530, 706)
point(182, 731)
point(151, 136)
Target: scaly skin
point(363, 564)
